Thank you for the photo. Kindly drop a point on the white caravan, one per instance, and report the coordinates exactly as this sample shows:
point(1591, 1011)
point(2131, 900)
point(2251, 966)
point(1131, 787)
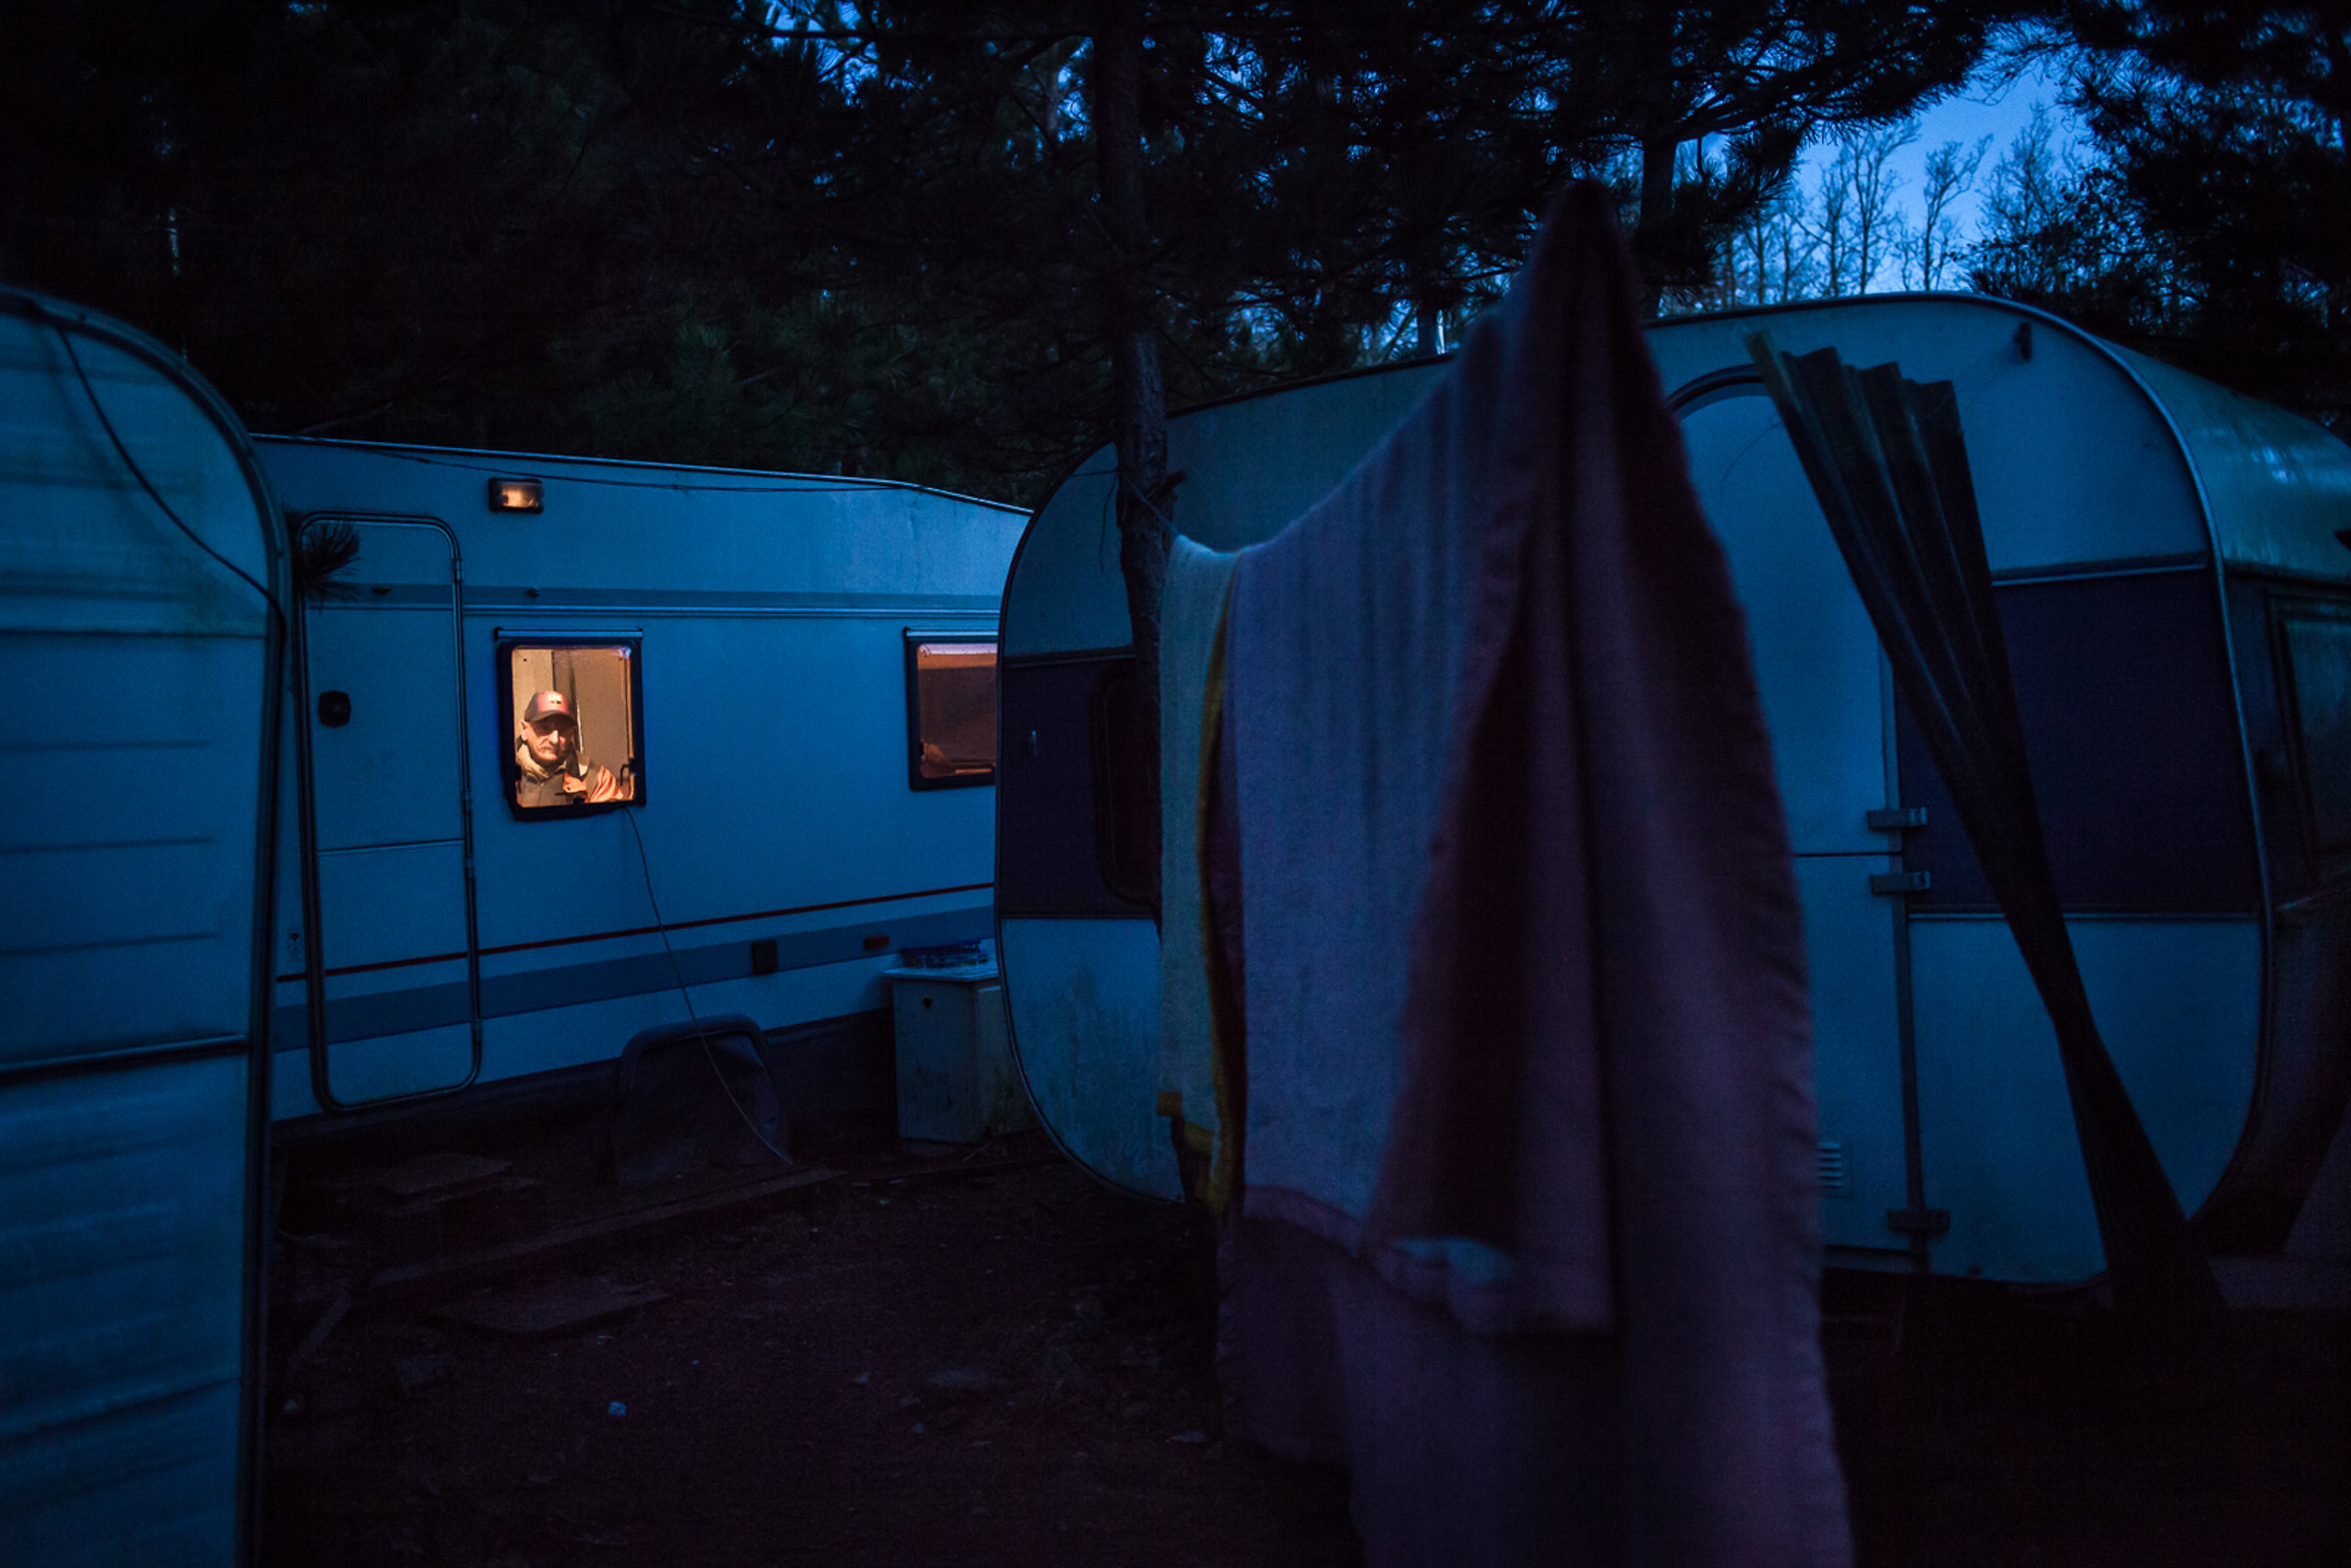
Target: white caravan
point(2172, 569)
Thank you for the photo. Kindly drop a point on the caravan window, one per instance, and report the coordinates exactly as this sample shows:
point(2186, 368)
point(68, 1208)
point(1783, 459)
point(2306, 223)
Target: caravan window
point(574, 729)
point(2319, 650)
point(950, 710)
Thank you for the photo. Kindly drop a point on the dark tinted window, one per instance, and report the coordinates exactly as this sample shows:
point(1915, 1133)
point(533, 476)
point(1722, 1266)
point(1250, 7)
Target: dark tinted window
point(2318, 652)
point(2131, 729)
point(1126, 794)
point(1075, 814)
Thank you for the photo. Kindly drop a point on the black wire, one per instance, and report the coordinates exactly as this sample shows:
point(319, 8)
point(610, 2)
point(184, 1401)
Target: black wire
point(67, 339)
point(701, 1036)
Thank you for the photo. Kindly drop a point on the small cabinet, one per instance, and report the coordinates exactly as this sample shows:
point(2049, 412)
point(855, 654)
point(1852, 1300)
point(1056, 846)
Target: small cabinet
point(957, 1082)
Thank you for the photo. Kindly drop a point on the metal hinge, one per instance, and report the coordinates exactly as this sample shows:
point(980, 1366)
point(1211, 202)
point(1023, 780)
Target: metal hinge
point(1896, 818)
point(1900, 881)
point(1918, 1221)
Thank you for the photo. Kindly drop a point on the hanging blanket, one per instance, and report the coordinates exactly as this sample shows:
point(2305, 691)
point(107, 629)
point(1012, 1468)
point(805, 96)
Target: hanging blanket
point(1192, 607)
point(1529, 1074)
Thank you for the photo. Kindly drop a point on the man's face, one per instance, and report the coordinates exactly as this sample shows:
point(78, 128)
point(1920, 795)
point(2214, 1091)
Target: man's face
point(549, 739)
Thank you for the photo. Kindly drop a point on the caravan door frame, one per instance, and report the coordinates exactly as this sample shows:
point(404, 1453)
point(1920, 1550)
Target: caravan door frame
point(314, 948)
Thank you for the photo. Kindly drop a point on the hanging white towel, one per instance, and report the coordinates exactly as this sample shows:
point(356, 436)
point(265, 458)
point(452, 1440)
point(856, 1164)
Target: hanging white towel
point(1192, 609)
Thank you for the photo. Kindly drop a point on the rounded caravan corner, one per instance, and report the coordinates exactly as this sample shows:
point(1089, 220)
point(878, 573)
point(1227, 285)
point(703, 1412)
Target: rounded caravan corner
point(143, 577)
point(1017, 748)
point(60, 317)
point(1080, 952)
point(2276, 491)
point(763, 618)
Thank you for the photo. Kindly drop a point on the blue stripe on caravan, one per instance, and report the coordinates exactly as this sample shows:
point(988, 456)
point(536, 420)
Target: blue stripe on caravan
point(392, 1012)
point(661, 600)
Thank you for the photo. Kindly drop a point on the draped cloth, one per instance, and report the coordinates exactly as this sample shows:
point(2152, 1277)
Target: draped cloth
point(1191, 608)
point(1528, 1232)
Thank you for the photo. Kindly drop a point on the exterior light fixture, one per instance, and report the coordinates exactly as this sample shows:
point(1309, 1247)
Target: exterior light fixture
point(515, 495)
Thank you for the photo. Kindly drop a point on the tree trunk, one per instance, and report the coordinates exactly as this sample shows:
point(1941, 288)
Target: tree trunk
point(1658, 151)
point(1140, 414)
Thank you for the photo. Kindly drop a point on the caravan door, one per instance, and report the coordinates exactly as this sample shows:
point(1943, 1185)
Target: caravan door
point(391, 957)
point(1826, 701)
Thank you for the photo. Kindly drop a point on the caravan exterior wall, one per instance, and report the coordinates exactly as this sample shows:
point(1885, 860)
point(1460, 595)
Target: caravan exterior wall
point(2178, 608)
point(139, 555)
point(744, 658)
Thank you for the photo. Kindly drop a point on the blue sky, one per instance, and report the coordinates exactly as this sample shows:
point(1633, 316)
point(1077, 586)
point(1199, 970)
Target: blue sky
point(1984, 106)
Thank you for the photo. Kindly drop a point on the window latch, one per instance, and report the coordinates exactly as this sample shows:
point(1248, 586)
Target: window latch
point(1896, 818)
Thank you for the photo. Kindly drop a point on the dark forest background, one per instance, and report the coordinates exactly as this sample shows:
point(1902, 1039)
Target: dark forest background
point(870, 239)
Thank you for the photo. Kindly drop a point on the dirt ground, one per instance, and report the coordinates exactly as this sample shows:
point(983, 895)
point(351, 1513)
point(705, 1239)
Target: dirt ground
point(916, 1368)
point(2006, 1431)
point(1013, 1368)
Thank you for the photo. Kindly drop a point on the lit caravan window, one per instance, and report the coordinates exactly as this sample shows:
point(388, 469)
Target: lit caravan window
point(950, 710)
point(2319, 650)
point(575, 728)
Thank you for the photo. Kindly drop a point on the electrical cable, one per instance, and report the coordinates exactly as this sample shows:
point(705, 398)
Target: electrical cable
point(65, 339)
point(701, 1036)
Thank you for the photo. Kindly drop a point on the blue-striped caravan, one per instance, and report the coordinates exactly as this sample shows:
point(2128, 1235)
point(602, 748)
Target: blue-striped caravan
point(565, 737)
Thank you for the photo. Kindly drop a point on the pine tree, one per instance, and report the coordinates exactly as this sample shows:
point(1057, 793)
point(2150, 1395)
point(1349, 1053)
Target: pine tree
point(2206, 227)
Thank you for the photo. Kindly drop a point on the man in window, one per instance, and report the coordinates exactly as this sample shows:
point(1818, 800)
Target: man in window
point(554, 772)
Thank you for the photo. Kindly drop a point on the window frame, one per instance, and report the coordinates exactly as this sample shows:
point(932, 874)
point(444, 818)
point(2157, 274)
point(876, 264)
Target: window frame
point(510, 773)
point(915, 638)
point(2330, 860)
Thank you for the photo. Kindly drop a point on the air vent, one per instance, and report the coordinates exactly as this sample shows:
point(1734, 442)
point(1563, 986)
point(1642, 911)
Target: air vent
point(1835, 1168)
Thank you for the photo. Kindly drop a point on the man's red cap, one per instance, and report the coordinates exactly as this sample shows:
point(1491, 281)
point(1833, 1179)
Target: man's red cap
point(550, 705)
